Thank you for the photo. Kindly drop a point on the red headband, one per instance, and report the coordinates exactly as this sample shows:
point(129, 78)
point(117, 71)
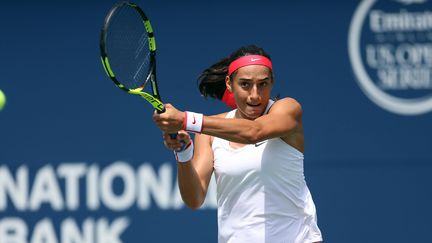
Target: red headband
point(249, 60)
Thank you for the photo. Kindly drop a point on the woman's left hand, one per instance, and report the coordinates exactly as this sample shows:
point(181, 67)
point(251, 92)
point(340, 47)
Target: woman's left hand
point(171, 121)
point(177, 144)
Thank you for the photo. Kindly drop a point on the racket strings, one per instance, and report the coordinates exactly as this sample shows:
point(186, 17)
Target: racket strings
point(127, 47)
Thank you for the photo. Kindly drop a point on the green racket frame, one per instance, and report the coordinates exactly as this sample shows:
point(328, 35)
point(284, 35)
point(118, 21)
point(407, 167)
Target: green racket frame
point(154, 98)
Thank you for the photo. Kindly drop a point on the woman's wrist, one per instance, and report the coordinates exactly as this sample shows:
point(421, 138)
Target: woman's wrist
point(193, 122)
point(186, 154)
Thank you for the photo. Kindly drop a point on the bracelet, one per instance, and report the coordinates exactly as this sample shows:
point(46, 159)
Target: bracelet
point(186, 154)
point(193, 122)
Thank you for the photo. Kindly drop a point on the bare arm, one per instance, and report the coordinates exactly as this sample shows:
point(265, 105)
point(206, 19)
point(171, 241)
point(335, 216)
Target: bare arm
point(283, 119)
point(194, 175)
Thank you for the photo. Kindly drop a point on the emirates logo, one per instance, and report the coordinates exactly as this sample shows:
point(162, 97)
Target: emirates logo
point(390, 49)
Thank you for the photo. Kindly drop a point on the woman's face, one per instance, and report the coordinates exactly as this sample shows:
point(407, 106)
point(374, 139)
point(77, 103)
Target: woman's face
point(251, 86)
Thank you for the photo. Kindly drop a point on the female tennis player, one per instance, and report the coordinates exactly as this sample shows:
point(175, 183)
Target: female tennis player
point(255, 151)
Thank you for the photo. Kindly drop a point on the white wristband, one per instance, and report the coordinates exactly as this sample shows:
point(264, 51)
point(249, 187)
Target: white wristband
point(186, 154)
point(193, 122)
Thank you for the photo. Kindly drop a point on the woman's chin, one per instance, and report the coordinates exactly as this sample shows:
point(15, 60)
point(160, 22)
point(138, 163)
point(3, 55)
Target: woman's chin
point(253, 112)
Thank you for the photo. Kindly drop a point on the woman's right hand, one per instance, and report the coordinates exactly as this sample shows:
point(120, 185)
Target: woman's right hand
point(183, 138)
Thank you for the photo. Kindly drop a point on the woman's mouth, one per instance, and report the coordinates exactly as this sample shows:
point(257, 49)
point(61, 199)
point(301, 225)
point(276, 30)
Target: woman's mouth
point(253, 105)
point(254, 108)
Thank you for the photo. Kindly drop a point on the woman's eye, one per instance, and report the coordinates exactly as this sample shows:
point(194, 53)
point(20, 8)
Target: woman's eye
point(244, 84)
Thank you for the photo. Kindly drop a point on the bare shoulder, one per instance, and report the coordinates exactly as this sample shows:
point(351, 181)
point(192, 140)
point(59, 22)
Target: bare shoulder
point(288, 106)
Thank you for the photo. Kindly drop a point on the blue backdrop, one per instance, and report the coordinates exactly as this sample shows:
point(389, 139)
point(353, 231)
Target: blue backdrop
point(71, 142)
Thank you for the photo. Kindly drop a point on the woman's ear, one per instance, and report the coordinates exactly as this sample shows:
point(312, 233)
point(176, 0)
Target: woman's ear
point(228, 83)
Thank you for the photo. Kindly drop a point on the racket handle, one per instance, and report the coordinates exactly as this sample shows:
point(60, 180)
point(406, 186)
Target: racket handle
point(172, 135)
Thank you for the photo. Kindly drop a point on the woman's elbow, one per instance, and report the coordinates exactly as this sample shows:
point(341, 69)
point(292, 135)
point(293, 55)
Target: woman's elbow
point(193, 201)
point(253, 136)
point(193, 204)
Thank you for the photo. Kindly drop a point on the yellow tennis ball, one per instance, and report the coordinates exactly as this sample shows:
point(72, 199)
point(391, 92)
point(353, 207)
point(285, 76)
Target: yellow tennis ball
point(2, 100)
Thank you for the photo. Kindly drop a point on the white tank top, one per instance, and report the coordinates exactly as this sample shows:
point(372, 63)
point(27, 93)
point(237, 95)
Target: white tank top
point(261, 192)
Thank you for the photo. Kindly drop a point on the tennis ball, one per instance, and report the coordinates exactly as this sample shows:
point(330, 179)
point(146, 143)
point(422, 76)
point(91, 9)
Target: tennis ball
point(2, 100)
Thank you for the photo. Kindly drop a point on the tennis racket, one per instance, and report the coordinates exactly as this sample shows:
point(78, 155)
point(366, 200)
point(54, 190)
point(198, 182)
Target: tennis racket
point(128, 52)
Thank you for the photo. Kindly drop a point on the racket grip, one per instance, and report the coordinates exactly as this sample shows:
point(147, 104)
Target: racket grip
point(172, 135)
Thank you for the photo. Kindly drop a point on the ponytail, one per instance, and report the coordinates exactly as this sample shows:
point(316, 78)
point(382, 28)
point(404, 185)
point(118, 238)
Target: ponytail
point(212, 80)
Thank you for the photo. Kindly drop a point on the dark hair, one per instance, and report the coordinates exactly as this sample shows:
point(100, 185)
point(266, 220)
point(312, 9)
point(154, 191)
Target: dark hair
point(212, 80)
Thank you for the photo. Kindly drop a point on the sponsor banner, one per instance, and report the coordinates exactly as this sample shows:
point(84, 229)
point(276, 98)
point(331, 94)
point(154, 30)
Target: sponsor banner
point(390, 49)
point(43, 204)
